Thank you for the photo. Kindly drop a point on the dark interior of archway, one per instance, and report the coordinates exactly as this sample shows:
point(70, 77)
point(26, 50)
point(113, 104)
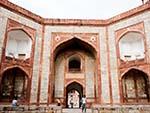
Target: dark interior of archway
point(74, 86)
point(13, 84)
point(135, 72)
point(74, 65)
point(135, 86)
point(74, 44)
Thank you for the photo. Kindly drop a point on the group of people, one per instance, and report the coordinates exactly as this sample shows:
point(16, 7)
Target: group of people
point(83, 103)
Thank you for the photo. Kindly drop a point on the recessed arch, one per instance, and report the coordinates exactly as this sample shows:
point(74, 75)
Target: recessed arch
point(22, 29)
point(74, 92)
point(131, 46)
point(14, 84)
point(73, 43)
point(59, 62)
point(18, 44)
point(135, 86)
point(129, 31)
point(19, 67)
point(75, 81)
point(74, 63)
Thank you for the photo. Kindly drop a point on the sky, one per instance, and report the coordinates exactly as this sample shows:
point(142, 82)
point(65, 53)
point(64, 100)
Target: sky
point(78, 9)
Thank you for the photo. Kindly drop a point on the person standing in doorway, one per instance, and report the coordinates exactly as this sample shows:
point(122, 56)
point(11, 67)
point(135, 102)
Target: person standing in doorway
point(83, 104)
point(71, 102)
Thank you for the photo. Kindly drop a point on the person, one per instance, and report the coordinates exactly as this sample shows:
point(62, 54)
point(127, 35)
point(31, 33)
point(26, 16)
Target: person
point(71, 102)
point(83, 104)
point(15, 102)
point(58, 102)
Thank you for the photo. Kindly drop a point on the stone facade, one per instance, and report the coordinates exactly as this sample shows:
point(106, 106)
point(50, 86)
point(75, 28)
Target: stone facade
point(92, 44)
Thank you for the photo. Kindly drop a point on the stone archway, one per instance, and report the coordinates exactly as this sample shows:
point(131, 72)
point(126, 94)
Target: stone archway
point(14, 84)
point(74, 60)
point(74, 92)
point(135, 87)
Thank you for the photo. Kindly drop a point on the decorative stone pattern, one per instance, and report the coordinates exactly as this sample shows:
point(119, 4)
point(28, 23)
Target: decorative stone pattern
point(60, 37)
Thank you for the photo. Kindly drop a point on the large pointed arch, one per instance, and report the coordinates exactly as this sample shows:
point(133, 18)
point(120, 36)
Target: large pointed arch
point(73, 44)
point(76, 40)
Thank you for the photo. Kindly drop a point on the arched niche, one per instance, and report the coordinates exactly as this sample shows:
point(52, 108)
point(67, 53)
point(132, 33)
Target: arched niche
point(135, 87)
point(131, 46)
point(14, 84)
point(74, 63)
point(18, 44)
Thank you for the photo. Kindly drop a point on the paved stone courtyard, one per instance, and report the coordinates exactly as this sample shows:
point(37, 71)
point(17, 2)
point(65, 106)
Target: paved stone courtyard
point(94, 109)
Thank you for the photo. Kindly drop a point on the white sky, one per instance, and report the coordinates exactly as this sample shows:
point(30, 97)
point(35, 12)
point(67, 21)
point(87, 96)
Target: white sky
point(77, 9)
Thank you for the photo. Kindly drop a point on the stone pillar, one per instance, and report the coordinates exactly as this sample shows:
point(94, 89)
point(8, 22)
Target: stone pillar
point(89, 76)
point(113, 66)
point(45, 67)
point(59, 77)
point(147, 35)
point(3, 24)
point(36, 68)
point(104, 68)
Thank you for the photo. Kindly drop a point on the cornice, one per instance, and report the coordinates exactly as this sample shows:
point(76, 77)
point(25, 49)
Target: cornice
point(76, 22)
point(19, 10)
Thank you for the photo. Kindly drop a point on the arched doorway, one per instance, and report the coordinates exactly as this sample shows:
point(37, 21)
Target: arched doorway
point(135, 87)
point(14, 84)
point(74, 92)
point(74, 60)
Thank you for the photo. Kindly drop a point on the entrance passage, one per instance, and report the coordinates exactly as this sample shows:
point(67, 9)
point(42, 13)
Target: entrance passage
point(74, 92)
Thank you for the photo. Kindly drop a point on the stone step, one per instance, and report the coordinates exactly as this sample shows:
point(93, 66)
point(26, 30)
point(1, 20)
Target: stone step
point(75, 110)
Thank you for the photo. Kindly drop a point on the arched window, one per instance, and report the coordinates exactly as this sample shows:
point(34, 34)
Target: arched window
point(18, 44)
point(135, 87)
point(74, 64)
point(131, 46)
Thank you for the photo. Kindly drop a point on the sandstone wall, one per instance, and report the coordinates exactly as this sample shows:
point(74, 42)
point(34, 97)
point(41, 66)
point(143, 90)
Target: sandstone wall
point(4, 15)
point(108, 58)
point(144, 17)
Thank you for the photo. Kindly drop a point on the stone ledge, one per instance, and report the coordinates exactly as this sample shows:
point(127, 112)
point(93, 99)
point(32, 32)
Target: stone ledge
point(121, 108)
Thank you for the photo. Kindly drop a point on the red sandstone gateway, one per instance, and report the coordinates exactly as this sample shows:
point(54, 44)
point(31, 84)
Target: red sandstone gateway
point(46, 60)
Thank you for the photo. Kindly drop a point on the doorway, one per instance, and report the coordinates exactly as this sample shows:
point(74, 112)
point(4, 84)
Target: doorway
point(135, 87)
point(74, 92)
point(13, 85)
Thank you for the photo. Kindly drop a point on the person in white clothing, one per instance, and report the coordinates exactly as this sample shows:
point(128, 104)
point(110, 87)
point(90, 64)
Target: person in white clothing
point(14, 102)
point(83, 104)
